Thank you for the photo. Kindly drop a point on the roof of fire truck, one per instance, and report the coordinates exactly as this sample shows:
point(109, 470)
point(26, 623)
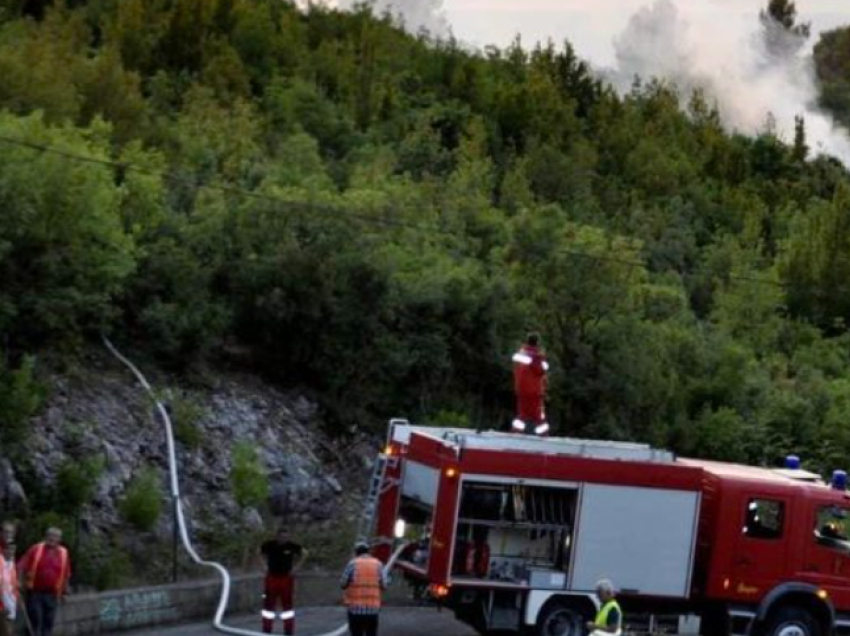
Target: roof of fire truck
point(402, 432)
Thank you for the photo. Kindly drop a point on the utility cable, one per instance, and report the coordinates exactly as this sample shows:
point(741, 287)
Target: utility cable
point(173, 177)
point(637, 258)
point(331, 212)
point(174, 485)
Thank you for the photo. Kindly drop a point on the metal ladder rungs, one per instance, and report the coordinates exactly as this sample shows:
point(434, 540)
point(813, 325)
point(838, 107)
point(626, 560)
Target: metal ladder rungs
point(377, 487)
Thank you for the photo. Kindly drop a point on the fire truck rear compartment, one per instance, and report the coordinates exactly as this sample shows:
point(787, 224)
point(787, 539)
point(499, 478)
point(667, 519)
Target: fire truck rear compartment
point(514, 534)
point(567, 537)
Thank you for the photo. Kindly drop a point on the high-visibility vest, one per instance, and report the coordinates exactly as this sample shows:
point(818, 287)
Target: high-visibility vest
point(605, 610)
point(35, 562)
point(8, 582)
point(365, 587)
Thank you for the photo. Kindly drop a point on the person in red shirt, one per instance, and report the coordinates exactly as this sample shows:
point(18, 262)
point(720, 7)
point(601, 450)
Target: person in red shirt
point(530, 382)
point(45, 571)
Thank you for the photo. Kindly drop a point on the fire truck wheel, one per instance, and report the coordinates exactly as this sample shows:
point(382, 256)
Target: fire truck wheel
point(559, 619)
point(792, 621)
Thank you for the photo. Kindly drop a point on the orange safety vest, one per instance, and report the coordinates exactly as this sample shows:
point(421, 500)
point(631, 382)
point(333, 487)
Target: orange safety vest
point(32, 570)
point(8, 584)
point(365, 587)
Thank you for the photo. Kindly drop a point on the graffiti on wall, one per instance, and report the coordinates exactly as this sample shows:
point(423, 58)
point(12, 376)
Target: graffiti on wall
point(137, 609)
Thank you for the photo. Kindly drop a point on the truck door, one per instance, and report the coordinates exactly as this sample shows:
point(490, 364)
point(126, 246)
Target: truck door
point(827, 559)
point(760, 556)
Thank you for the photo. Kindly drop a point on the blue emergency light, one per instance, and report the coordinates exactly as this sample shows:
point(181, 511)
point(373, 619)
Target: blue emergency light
point(839, 480)
point(792, 462)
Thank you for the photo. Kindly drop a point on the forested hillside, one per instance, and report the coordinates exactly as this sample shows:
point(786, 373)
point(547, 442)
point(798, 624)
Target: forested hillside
point(380, 218)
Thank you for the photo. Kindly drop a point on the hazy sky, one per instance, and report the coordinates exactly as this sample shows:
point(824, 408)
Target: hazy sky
point(591, 25)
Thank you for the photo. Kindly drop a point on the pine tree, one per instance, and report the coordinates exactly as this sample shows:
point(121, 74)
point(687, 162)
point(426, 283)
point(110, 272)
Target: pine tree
point(801, 149)
point(784, 36)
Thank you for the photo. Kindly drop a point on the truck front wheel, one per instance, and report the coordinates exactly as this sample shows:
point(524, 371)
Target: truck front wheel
point(559, 619)
point(792, 621)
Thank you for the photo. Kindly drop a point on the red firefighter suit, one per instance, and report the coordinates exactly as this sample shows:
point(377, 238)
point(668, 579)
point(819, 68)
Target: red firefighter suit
point(530, 368)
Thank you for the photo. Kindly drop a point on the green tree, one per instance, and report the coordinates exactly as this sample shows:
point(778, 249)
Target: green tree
point(64, 256)
point(816, 262)
point(832, 64)
point(141, 505)
point(21, 395)
point(248, 477)
point(784, 35)
point(76, 484)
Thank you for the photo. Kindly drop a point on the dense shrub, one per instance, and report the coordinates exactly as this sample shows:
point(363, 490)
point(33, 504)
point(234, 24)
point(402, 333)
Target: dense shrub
point(248, 477)
point(141, 505)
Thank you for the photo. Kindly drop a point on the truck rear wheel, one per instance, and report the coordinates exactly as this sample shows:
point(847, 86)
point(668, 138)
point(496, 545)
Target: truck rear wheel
point(559, 619)
point(792, 621)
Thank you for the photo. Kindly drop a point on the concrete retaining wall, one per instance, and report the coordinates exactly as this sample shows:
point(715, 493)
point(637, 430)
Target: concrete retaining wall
point(91, 614)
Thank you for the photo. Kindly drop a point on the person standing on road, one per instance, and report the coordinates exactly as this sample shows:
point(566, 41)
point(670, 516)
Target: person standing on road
point(283, 557)
point(46, 570)
point(363, 580)
point(609, 619)
point(9, 592)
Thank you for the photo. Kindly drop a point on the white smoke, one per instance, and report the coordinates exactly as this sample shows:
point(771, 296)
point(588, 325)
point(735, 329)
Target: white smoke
point(731, 63)
point(415, 15)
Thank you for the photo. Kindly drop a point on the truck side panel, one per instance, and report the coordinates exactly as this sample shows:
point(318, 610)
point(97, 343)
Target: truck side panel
point(640, 537)
point(421, 483)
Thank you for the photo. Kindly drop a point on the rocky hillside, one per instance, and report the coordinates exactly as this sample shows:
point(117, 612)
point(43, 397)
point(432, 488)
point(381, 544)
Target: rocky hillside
point(97, 415)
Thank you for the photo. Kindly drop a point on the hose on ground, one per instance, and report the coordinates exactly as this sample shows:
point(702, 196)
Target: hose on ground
point(174, 484)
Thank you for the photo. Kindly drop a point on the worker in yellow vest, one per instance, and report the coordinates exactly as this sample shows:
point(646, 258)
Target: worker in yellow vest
point(45, 571)
point(609, 619)
point(364, 580)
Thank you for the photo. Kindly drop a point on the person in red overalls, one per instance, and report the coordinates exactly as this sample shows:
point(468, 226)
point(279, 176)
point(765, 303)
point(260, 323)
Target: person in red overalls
point(283, 557)
point(530, 380)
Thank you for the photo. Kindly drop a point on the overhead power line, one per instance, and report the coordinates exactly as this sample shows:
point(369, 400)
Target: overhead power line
point(196, 182)
point(226, 189)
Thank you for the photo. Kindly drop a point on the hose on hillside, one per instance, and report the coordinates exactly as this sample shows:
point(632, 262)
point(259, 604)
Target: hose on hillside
point(174, 482)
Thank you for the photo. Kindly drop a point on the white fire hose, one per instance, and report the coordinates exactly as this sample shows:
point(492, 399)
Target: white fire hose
point(218, 620)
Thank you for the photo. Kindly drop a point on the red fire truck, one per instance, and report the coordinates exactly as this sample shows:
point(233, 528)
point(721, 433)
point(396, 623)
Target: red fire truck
point(512, 532)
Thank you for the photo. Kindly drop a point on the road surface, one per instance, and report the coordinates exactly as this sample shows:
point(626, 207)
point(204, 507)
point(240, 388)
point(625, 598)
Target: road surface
point(314, 621)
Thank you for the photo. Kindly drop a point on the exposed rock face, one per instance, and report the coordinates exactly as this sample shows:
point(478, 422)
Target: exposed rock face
point(101, 412)
point(13, 499)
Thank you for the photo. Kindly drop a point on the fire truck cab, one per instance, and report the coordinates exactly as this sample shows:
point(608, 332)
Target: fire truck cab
point(512, 532)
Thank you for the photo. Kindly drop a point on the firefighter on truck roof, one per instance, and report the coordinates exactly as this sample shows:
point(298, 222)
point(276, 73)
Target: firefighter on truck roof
point(609, 619)
point(530, 380)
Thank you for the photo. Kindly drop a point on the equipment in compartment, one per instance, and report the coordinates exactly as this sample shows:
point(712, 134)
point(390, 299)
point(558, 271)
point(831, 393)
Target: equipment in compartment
point(512, 533)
